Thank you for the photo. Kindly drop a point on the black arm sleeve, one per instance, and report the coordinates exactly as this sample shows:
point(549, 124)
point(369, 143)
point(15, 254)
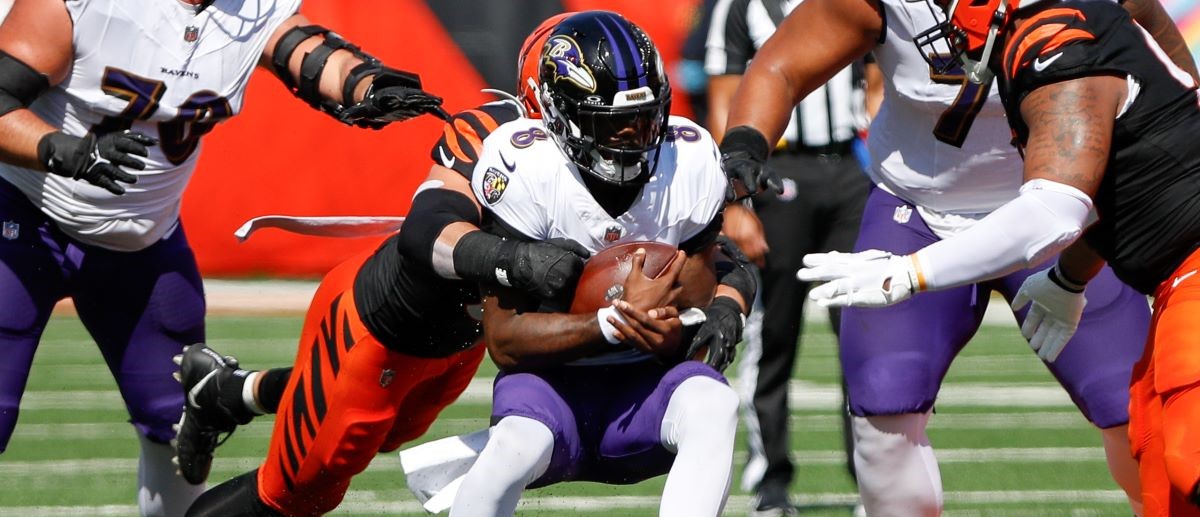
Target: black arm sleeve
point(432, 211)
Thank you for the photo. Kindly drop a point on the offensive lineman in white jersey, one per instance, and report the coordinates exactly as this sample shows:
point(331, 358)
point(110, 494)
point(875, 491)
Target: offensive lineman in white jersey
point(607, 167)
point(102, 107)
point(894, 358)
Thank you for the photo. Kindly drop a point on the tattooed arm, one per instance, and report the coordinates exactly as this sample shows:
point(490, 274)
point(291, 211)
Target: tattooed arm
point(1070, 129)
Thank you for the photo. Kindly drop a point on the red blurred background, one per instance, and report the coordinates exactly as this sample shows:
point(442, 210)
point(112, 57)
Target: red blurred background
point(281, 157)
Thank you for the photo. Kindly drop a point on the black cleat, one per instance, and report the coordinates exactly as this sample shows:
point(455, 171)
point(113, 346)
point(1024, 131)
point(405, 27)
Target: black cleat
point(211, 408)
point(772, 501)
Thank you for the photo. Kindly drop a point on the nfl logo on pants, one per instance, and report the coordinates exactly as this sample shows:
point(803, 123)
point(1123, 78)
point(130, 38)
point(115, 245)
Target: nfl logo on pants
point(11, 230)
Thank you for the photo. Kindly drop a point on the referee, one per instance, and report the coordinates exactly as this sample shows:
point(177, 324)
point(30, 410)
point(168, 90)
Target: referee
point(824, 190)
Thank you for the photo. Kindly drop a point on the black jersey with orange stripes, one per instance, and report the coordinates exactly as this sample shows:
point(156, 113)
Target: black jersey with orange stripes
point(462, 136)
point(1149, 199)
point(403, 303)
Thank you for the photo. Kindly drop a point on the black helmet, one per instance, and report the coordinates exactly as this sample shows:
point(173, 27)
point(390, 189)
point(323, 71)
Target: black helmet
point(604, 95)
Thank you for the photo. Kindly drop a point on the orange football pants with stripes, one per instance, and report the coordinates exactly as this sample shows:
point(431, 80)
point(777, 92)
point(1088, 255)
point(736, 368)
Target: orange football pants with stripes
point(348, 399)
point(1164, 402)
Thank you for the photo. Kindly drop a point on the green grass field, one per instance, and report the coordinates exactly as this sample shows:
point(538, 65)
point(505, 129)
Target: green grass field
point(1008, 439)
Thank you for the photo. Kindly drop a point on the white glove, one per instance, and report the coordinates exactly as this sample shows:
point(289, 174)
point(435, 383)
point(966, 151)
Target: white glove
point(871, 278)
point(1054, 316)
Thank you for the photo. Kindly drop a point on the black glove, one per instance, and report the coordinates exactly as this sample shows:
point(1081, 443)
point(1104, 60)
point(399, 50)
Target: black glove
point(393, 96)
point(545, 268)
point(79, 158)
point(744, 157)
point(720, 332)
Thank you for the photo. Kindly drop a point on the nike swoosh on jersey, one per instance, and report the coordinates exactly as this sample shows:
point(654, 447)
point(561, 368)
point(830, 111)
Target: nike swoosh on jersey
point(448, 161)
point(1179, 279)
point(1039, 64)
point(511, 167)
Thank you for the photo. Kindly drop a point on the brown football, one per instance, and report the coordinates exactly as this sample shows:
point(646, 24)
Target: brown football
point(603, 277)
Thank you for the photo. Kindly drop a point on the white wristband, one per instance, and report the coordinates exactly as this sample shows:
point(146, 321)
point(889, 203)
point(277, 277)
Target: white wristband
point(606, 328)
point(248, 394)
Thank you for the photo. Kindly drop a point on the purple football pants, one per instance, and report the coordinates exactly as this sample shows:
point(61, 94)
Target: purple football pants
point(606, 420)
point(895, 358)
point(140, 307)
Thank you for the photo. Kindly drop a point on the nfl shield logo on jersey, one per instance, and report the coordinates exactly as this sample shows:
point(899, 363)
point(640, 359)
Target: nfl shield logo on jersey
point(612, 233)
point(191, 34)
point(902, 214)
point(12, 230)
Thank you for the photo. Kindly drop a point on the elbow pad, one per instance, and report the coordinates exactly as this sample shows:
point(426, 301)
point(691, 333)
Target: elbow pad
point(20, 84)
point(434, 209)
point(1044, 219)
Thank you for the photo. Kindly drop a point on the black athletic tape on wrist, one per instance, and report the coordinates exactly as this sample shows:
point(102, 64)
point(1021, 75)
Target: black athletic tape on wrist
point(483, 257)
point(1065, 283)
point(746, 138)
point(356, 75)
point(735, 272)
point(20, 84)
point(732, 305)
point(432, 211)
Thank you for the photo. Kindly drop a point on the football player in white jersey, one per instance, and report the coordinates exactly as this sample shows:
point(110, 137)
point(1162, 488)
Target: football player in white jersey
point(581, 396)
point(103, 104)
point(926, 190)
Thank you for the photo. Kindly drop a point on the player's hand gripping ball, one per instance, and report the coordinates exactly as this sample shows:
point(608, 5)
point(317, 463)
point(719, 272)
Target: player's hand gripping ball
point(603, 279)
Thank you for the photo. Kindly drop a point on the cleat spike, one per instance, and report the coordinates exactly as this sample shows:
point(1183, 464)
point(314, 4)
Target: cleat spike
point(178, 359)
point(178, 377)
point(175, 460)
point(175, 427)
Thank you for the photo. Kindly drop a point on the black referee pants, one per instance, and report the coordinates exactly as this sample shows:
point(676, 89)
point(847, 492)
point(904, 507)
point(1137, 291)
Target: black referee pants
point(819, 210)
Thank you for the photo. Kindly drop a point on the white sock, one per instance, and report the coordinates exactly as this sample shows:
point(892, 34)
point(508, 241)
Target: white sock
point(248, 392)
point(699, 427)
point(162, 492)
point(897, 473)
point(1122, 466)
point(517, 452)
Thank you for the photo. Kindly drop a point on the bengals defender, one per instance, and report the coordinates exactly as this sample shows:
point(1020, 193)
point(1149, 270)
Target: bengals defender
point(387, 344)
point(1106, 124)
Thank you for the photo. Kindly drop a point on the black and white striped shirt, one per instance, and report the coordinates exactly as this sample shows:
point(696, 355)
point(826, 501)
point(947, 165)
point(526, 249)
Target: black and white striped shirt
point(830, 115)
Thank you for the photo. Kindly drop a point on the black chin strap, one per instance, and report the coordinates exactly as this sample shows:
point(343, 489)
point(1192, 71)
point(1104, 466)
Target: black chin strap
point(203, 5)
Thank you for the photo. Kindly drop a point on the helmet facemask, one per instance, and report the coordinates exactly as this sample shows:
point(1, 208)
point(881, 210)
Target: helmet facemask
point(968, 28)
point(613, 143)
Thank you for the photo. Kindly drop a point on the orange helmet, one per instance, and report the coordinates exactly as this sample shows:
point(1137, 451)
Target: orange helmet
point(968, 33)
point(528, 62)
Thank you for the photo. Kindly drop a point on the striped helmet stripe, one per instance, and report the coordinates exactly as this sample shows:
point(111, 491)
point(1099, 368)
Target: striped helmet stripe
point(624, 47)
